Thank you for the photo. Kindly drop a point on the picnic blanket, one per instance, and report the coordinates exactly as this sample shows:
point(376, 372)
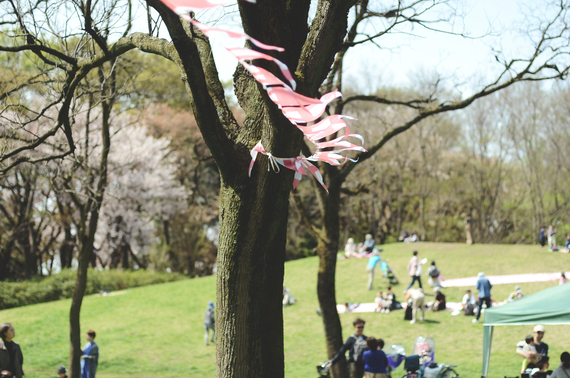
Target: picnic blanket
point(508, 279)
point(371, 307)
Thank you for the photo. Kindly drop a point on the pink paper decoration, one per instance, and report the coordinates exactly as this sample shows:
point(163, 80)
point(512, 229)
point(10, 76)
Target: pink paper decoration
point(295, 107)
point(184, 6)
point(299, 164)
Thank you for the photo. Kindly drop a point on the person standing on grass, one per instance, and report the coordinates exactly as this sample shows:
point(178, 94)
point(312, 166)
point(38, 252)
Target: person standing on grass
point(551, 238)
point(372, 262)
point(209, 322)
point(11, 357)
point(414, 270)
point(375, 360)
point(542, 236)
point(484, 287)
point(356, 368)
point(90, 357)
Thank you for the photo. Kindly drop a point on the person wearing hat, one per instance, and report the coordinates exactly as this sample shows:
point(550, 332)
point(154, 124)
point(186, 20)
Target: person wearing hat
point(484, 287)
point(517, 294)
point(373, 261)
point(541, 348)
point(210, 322)
point(61, 372)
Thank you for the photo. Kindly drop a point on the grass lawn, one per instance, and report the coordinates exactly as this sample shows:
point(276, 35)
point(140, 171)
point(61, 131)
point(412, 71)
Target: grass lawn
point(156, 331)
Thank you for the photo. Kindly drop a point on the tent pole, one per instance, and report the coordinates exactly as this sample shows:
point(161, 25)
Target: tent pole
point(487, 338)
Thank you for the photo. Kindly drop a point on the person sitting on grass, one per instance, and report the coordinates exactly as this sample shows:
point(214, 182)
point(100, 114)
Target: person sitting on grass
point(350, 248)
point(439, 304)
point(379, 300)
point(368, 245)
point(389, 300)
point(562, 371)
point(517, 294)
point(468, 303)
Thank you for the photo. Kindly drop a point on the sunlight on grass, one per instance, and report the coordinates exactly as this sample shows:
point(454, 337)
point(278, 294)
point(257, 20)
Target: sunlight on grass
point(156, 331)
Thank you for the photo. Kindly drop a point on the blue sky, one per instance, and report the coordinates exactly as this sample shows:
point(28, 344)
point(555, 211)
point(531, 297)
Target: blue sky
point(410, 55)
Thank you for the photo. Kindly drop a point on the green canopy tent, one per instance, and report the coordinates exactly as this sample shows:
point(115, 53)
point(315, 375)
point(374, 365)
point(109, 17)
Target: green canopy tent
point(550, 306)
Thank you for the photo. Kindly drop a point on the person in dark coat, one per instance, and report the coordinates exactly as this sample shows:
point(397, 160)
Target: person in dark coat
point(11, 357)
point(90, 357)
point(356, 368)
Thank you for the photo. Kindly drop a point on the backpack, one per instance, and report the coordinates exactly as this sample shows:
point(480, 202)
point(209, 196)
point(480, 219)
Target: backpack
point(469, 309)
point(408, 315)
point(434, 273)
point(359, 347)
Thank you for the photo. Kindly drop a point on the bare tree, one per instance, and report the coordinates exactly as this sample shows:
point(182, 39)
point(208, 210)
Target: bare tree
point(545, 62)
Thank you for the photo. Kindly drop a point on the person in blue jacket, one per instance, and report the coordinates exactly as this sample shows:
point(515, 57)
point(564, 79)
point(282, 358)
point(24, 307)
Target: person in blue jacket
point(484, 287)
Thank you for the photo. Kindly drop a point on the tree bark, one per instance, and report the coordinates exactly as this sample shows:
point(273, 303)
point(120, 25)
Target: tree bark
point(87, 228)
point(327, 250)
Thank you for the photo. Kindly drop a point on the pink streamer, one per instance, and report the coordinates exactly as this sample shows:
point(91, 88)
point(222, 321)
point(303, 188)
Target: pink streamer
point(299, 164)
point(295, 107)
point(183, 6)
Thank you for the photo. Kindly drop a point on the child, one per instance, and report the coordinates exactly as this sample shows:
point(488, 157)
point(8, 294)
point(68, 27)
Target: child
point(379, 301)
point(61, 372)
point(529, 340)
point(388, 303)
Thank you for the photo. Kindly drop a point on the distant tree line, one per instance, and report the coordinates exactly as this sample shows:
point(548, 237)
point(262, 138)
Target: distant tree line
point(499, 168)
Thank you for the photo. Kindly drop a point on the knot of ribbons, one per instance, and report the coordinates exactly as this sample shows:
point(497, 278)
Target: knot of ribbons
point(298, 109)
point(299, 164)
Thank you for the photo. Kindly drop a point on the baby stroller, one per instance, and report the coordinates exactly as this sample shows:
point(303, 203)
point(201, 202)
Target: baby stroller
point(423, 353)
point(388, 273)
point(323, 369)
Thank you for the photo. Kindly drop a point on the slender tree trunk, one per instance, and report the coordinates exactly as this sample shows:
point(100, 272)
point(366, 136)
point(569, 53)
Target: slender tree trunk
point(85, 250)
point(5, 256)
point(87, 229)
point(327, 250)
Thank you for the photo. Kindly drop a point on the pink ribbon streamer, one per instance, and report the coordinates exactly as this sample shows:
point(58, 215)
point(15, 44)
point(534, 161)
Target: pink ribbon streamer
point(294, 106)
point(183, 6)
point(299, 164)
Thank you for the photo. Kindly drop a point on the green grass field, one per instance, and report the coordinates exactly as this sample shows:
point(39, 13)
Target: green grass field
point(156, 331)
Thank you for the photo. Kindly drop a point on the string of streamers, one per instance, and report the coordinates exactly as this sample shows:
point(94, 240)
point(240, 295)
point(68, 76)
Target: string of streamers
point(298, 109)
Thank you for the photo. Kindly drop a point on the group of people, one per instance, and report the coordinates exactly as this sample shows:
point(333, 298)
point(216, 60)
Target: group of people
point(366, 359)
point(12, 358)
point(351, 249)
point(535, 356)
point(548, 237)
point(405, 237)
point(386, 301)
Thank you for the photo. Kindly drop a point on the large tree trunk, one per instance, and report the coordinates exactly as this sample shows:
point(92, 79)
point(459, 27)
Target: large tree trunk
point(253, 227)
